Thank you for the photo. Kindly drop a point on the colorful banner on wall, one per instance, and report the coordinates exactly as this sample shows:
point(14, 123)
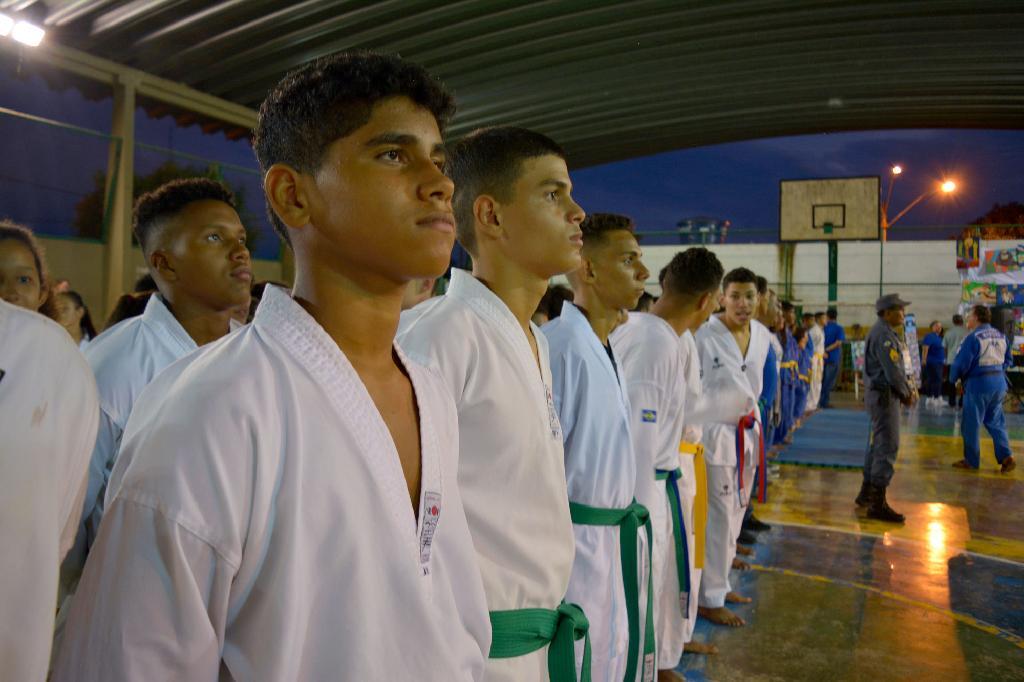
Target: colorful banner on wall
point(979, 292)
point(1004, 260)
point(968, 250)
point(1010, 294)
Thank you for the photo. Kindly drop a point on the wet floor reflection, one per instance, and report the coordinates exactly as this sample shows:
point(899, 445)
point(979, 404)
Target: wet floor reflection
point(838, 596)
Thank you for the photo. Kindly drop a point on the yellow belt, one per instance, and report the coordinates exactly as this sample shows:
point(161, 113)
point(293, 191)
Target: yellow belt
point(700, 500)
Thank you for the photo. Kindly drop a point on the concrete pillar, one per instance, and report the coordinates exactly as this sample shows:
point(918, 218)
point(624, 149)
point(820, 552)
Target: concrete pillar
point(120, 185)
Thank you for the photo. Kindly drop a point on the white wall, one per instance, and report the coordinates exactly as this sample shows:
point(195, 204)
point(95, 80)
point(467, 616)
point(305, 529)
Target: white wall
point(923, 272)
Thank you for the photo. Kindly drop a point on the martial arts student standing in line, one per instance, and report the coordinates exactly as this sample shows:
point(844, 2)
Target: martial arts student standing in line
point(609, 576)
point(651, 362)
point(733, 350)
point(515, 215)
point(48, 417)
point(285, 505)
point(981, 365)
point(886, 361)
point(817, 334)
point(194, 244)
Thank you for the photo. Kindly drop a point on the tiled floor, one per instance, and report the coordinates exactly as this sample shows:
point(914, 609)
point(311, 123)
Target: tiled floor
point(840, 597)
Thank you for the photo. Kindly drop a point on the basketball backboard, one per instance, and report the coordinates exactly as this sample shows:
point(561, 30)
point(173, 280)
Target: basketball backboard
point(826, 209)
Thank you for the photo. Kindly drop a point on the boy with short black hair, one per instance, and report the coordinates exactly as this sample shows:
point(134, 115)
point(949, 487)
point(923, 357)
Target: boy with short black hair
point(609, 579)
point(285, 505)
point(515, 215)
point(195, 248)
point(733, 351)
point(659, 363)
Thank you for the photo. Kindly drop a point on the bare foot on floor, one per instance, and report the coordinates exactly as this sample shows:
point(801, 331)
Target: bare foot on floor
point(740, 565)
point(736, 598)
point(670, 676)
point(721, 616)
point(700, 649)
point(744, 550)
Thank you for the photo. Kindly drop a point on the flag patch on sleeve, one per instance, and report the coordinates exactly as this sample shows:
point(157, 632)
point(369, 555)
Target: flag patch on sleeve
point(649, 416)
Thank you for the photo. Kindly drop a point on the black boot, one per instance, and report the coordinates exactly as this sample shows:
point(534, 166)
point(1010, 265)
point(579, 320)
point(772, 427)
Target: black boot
point(880, 509)
point(864, 496)
point(756, 525)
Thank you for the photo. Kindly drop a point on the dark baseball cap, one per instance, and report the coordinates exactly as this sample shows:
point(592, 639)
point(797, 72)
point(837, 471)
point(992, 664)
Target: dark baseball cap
point(890, 301)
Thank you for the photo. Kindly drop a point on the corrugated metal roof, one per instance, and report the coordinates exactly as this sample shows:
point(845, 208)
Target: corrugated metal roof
point(609, 80)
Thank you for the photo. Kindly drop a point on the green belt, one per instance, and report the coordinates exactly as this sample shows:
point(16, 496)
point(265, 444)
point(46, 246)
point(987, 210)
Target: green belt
point(522, 631)
point(671, 478)
point(628, 520)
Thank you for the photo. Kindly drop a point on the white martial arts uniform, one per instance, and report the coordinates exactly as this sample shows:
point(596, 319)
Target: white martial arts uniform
point(817, 335)
point(125, 358)
point(259, 527)
point(735, 384)
point(695, 411)
point(48, 416)
point(651, 363)
point(511, 469)
point(600, 470)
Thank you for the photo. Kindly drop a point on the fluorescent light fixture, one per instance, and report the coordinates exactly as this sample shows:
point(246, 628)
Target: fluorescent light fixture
point(27, 33)
point(6, 24)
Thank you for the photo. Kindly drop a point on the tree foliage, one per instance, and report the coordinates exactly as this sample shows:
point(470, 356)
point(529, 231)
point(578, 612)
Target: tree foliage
point(1002, 221)
point(89, 210)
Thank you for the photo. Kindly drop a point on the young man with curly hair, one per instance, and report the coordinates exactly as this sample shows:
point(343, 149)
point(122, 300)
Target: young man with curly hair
point(194, 244)
point(285, 505)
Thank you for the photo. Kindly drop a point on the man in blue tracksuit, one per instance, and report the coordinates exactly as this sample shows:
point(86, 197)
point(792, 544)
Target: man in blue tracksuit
point(981, 364)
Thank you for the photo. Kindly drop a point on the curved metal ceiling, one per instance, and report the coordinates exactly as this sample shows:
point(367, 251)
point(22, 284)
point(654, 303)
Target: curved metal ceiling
point(609, 80)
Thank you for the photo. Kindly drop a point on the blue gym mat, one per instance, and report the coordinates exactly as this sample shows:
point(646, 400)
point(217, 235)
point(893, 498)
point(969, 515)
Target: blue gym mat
point(829, 438)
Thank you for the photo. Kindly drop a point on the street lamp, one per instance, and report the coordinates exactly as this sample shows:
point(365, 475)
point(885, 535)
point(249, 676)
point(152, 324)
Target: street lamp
point(947, 186)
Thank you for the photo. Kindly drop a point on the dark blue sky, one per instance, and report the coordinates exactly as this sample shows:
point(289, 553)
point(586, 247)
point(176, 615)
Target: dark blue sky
point(47, 171)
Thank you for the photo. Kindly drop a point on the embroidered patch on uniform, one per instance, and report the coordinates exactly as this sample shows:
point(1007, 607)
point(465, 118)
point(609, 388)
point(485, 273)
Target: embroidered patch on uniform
point(649, 416)
point(716, 364)
point(648, 667)
point(553, 424)
point(893, 355)
point(431, 514)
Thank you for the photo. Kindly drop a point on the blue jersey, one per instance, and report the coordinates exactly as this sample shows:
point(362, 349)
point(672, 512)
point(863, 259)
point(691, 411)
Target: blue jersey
point(982, 360)
point(834, 332)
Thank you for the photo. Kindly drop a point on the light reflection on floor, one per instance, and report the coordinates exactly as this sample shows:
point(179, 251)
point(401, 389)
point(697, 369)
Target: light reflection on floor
point(838, 596)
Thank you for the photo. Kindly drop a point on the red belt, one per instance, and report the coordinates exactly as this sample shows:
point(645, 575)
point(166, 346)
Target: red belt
point(748, 422)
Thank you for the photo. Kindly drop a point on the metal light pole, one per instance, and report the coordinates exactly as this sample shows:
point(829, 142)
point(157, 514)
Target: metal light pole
point(945, 187)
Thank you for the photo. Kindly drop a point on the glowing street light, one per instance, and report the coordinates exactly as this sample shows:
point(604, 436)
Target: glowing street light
point(27, 34)
point(897, 169)
point(946, 187)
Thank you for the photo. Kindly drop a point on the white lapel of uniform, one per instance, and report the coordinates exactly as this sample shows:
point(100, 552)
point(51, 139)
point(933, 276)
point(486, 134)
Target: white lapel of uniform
point(165, 326)
point(485, 303)
point(578, 321)
point(310, 347)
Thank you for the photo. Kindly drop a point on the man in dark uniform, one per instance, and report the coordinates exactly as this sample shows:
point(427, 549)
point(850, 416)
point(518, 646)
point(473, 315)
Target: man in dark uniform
point(886, 384)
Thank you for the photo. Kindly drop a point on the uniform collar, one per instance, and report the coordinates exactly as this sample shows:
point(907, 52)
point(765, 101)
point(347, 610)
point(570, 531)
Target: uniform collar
point(158, 317)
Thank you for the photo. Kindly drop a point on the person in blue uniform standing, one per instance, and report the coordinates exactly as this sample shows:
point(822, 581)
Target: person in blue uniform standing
point(981, 365)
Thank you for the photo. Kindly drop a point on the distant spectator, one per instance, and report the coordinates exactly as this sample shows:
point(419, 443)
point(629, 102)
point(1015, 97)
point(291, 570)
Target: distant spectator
point(550, 305)
point(933, 357)
point(128, 305)
point(951, 341)
point(23, 278)
point(834, 338)
point(645, 303)
point(71, 313)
